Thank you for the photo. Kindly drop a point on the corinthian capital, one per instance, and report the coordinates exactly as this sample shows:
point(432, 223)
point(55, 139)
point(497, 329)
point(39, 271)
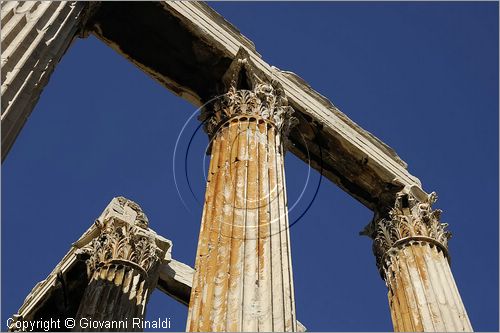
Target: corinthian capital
point(410, 220)
point(247, 92)
point(122, 237)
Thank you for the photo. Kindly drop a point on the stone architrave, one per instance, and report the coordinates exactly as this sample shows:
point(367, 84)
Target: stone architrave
point(243, 274)
point(123, 264)
point(411, 249)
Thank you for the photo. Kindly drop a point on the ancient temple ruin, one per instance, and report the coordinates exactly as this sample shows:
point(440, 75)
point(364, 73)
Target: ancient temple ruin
point(243, 278)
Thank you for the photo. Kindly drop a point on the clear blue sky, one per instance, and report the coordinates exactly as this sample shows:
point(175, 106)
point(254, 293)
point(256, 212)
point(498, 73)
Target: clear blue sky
point(423, 77)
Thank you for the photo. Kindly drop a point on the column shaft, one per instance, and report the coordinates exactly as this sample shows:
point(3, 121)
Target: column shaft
point(422, 294)
point(116, 292)
point(243, 276)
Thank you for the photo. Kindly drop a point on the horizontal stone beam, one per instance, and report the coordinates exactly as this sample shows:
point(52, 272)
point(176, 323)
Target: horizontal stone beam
point(175, 280)
point(187, 47)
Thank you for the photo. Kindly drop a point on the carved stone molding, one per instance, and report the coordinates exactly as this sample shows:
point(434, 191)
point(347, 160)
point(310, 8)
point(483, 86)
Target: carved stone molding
point(121, 242)
point(248, 93)
point(410, 221)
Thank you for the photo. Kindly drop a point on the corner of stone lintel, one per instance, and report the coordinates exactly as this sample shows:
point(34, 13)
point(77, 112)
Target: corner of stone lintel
point(89, 10)
point(369, 229)
point(391, 199)
point(242, 61)
point(165, 245)
point(416, 191)
point(397, 189)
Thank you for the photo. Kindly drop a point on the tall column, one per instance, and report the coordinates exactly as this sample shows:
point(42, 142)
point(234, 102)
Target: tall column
point(35, 35)
point(411, 248)
point(243, 274)
point(123, 267)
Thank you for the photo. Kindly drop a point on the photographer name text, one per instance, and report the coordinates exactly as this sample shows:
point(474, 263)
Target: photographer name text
point(86, 323)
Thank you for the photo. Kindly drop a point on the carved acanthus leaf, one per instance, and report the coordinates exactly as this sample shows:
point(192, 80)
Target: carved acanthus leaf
point(409, 220)
point(123, 241)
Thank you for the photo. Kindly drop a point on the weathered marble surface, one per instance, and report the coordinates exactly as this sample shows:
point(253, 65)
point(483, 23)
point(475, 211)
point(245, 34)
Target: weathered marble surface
point(123, 261)
point(60, 294)
point(411, 248)
point(35, 35)
point(244, 279)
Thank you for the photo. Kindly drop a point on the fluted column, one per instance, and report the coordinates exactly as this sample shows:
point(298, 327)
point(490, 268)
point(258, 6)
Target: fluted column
point(411, 248)
point(243, 274)
point(123, 267)
point(35, 35)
